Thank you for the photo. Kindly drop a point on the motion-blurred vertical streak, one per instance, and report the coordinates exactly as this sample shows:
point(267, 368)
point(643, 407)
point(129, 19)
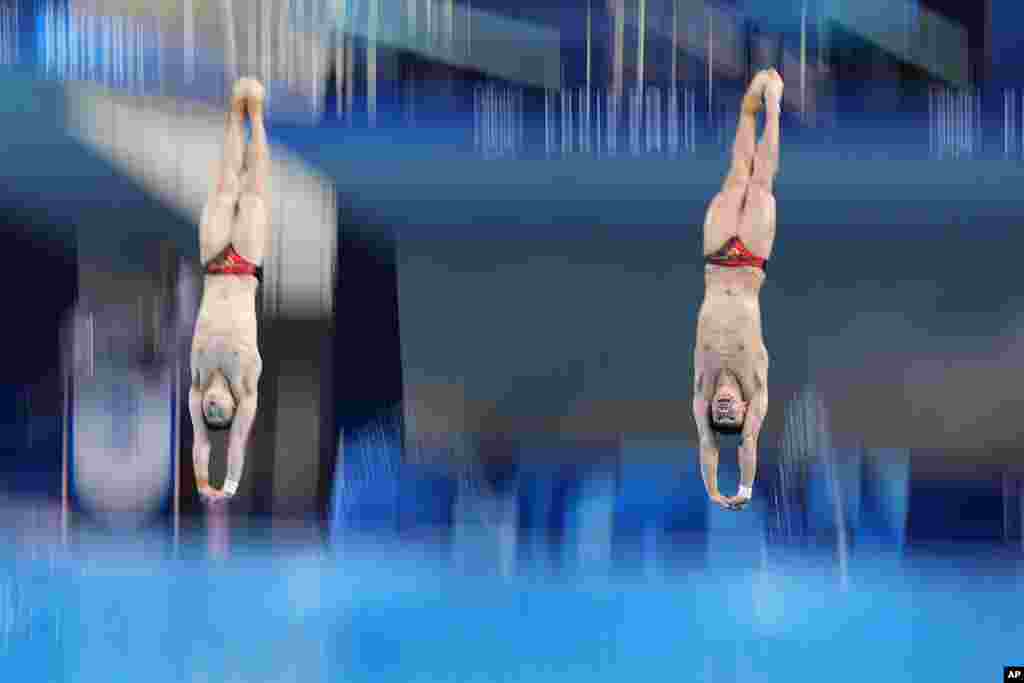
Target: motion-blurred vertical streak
point(641, 47)
point(350, 76)
point(371, 63)
point(618, 51)
point(188, 22)
point(803, 59)
point(266, 44)
point(711, 61)
point(231, 52)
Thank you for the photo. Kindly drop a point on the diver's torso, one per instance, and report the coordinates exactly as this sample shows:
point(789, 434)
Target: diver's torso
point(729, 328)
point(225, 336)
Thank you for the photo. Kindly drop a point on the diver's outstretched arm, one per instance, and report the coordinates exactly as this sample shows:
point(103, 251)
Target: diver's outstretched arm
point(200, 443)
point(247, 392)
point(708, 450)
point(752, 424)
point(245, 414)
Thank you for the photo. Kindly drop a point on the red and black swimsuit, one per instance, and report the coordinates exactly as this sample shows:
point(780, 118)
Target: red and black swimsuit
point(230, 262)
point(735, 254)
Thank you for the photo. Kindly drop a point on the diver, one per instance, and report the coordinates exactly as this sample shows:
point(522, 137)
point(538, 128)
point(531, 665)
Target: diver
point(730, 357)
point(233, 234)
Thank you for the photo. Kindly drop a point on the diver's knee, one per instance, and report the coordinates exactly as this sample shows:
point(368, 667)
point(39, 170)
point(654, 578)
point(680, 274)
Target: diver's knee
point(252, 204)
point(228, 185)
point(760, 189)
point(220, 207)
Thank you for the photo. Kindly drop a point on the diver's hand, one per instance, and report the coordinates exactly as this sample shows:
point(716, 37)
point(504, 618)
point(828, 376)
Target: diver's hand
point(742, 497)
point(737, 502)
point(212, 497)
point(722, 501)
point(733, 503)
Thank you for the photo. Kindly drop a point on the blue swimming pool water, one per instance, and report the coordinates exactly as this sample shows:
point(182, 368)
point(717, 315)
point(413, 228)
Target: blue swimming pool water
point(375, 613)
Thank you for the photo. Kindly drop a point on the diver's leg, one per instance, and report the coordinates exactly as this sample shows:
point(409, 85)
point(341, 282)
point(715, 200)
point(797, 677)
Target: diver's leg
point(724, 212)
point(757, 220)
point(745, 143)
point(766, 160)
point(251, 225)
point(218, 213)
point(257, 153)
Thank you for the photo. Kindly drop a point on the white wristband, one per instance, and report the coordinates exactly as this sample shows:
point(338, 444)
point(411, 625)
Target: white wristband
point(745, 492)
point(230, 487)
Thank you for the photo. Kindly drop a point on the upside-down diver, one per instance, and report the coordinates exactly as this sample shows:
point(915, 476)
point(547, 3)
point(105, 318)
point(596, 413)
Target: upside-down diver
point(730, 357)
point(233, 231)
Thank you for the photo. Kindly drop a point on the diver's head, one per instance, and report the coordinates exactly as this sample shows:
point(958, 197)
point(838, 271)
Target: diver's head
point(218, 403)
point(727, 409)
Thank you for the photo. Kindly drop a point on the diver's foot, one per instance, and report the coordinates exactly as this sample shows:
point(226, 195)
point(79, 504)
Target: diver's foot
point(753, 100)
point(250, 94)
point(237, 100)
point(773, 91)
